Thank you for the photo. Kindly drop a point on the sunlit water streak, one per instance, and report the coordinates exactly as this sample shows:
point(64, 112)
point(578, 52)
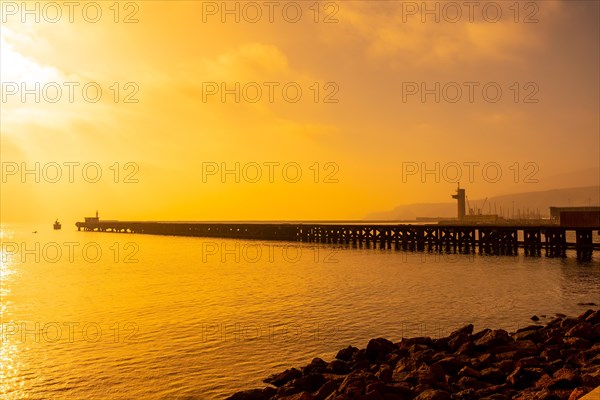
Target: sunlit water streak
point(201, 318)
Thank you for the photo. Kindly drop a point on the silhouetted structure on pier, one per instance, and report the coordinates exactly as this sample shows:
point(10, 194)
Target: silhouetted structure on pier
point(576, 216)
point(460, 196)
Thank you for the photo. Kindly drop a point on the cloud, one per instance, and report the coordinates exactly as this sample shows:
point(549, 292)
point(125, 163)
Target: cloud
point(16, 67)
point(386, 32)
point(248, 61)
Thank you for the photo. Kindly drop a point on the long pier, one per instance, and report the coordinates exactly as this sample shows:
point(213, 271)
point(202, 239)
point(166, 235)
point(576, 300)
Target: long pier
point(485, 239)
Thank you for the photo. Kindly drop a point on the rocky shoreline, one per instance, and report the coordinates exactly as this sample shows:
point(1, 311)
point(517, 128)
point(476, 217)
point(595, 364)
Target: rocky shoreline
point(560, 360)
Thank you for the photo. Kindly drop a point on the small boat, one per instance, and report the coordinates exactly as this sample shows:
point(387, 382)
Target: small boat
point(57, 225)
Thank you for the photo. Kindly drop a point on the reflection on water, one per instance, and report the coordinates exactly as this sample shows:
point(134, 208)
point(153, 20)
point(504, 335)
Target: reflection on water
point(113, 316)
point(578, 277)
point(12, 385)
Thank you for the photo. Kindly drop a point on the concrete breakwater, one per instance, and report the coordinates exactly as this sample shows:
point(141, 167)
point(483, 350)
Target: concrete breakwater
point(560, 360)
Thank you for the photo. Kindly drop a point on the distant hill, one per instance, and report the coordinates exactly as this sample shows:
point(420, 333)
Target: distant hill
point(572, 179)
point(502, 205)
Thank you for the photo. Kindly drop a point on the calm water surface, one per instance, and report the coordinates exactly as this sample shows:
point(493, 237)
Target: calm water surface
point(122, 316)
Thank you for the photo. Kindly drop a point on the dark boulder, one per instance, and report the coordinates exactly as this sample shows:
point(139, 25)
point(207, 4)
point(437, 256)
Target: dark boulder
point(493, 375)
point(467, 329)
point(347, 353)
point(328, 388)
point(306, 383)
point(284, 377)
point(594, 318)
point(317, 365)
point(379, 347)
point(451, 364)
point(584, 330)
point(565, 378)
point(338, 367)
point(522, 347)
point(455, 342)
point(591, 378)
point(492, 339)
point(299, 396)
point(254, 394)
point(419, 340)
point(466, 382)
point(432, 394)
point(529, 333)
point(385, 373)
point(522, 378)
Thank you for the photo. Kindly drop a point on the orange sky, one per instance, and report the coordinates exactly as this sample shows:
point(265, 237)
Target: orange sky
point(177, 50)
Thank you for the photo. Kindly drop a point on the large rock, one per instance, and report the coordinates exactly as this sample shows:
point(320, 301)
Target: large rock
point(565, 378)
point(356, 381)
point(456, 341)
point(466, 382)
point(481, 333)
point(544, 382)
point(328, 388)
point(385, 373)
point(306, 383)
point(254, 394)
point(522, 378)
point(584, 330)
point(467, 329)
point(577, 343)
point(299, 396)
point(432, 394)
point(451, 364)
point(484, 361)
point(317, 365)
point(347, 353)
point(406, 365)
point(579, 392)
point(338, 367)
point(379, 347)
point(496, 396)
point(466, 394)
point(430, 375)
point(419, 340)
point(440, 344)
point(594, 318)
point(585, 314)
point(593, 355)
point(521, 347)
point(528, 333)
point(492, 339)
point(408, 376)
point(283, 377)
point(493, 375)
point(534, 361)
point(467, 349)
point(372, 395)
point(506, 366)
point(568, 323)
point(424, 355)
point(468, 371)
point(543, 394)
point(495, 389)
point(399, 389)
point(551, 353)
point(591, 378)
